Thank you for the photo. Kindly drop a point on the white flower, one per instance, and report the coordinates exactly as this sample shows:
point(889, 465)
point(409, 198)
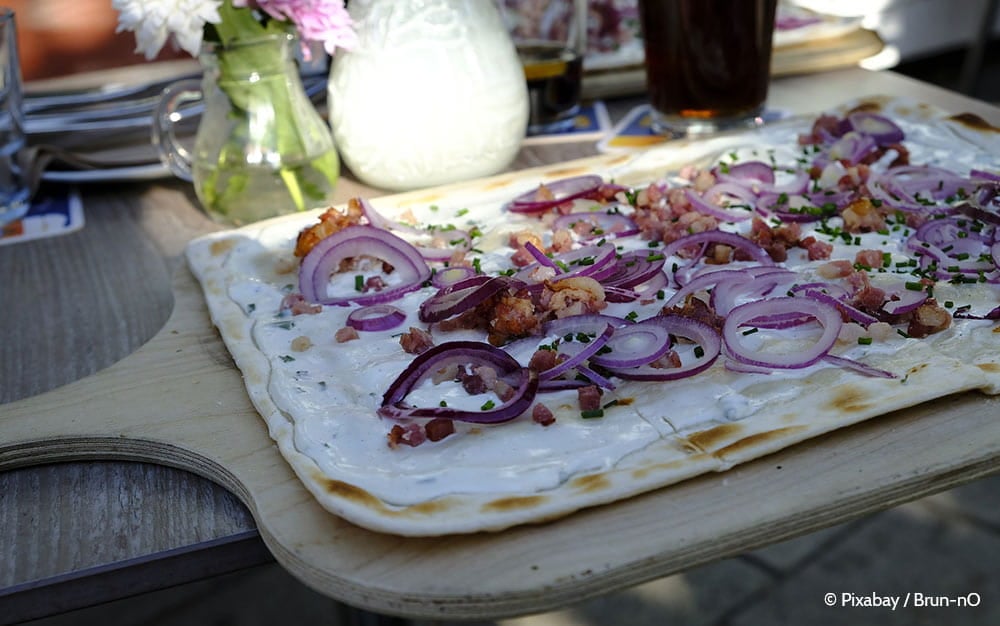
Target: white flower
point(153, 21)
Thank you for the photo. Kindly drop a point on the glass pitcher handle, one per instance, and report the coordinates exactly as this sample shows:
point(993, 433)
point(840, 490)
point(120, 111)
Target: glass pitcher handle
point(172, 153)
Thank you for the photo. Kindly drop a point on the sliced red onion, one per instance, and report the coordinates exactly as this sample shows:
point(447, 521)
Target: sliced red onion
point(850, 311)
point(748, 172)
point(634, 268)
point(355, 241)
point(590, 324)
point(719, 192)
point(737, 242)
point(540, 256)
point(703, 282)
point(852, 148)
point(462, 296)
point(704, 336)
point(576, 353)
point(380, 221)
point(904, 301)
point(727, 293)
point(858, 366)
point(707, 208)
point(593, 261)
point(879, 127)
point(634, 345)
point(450, 275)
point(743, 315)
point(462, 239)
point(831, 289)
point(548, 195)
point(458, 241)
point(603, 225)
point(462, 353)
point(376, 317)
point(656, 283)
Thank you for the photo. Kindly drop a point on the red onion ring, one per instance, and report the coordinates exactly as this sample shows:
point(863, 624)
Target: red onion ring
point(603, 225)
point(698, 203)
point(743, 315)
point(324, 260)
point(376, 317)
point(523, 380)
point(429, 253)
point(548, 195)
point(906, 301)
point(858, 366)
point(578, 354)
point(700, 333)
point(737, 242)
point(634, 345)
point(879, 127)
point(462, 296)
point(747, 173)
point(450, 275)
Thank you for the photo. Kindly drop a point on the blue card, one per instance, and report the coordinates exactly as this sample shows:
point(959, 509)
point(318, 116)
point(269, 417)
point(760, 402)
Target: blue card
point(54, 212)
point(592, 122)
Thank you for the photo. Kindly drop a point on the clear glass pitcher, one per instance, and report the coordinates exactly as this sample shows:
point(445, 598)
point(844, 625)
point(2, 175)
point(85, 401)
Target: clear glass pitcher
point(261, 149)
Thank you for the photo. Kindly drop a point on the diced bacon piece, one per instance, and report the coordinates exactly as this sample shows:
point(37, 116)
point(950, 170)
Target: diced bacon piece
point(439, 428)
point(541, 414)
point(816, 250)
point(543, 360)
point(861, 216)
point(345, 334)
point(669, 360)
point(296, 304)
point(869, 258)
point(416, 341)
point(406, 434)
point(374, 283)
point(835, 269)
point(929, 318)
point(589, 398)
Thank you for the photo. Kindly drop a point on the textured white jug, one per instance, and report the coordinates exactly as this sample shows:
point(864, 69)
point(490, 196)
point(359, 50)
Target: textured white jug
point(434, 93)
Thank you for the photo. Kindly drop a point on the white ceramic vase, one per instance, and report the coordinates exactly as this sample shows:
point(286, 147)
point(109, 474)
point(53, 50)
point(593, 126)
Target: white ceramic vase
point(433, 93)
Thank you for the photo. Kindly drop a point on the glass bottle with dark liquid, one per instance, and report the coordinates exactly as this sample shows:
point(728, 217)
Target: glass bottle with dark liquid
point(707, 62)
point(554, 74)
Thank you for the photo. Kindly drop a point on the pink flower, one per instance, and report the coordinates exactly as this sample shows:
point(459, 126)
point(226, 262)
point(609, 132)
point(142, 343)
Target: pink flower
point(316, 20)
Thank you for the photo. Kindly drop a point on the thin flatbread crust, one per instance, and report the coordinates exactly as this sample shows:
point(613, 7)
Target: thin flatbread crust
point(319, 403)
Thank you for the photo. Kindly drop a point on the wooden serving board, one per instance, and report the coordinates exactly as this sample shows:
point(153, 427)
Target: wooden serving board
point(180, 401)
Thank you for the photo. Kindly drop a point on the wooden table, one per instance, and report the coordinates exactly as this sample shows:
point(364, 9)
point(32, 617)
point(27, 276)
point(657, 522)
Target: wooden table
point(102, 525)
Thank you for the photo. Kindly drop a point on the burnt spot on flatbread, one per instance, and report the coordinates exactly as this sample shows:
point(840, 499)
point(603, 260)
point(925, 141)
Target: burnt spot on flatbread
point(850, 399)
point(591, 483)
point(917, 368)
point(514, 503)
point(712, 438)
point(869, 106)
point(357, 495)
point(431, 198)
point(973, 121)
point(222, 246)
point(992, 368)
point(643, 472)
point(351, 493)
point(500, 183)
point(759, 441)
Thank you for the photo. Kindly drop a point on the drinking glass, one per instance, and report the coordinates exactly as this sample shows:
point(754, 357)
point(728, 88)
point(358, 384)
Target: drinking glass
point(707, 63)
point(14, 192)
point(551, 40)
